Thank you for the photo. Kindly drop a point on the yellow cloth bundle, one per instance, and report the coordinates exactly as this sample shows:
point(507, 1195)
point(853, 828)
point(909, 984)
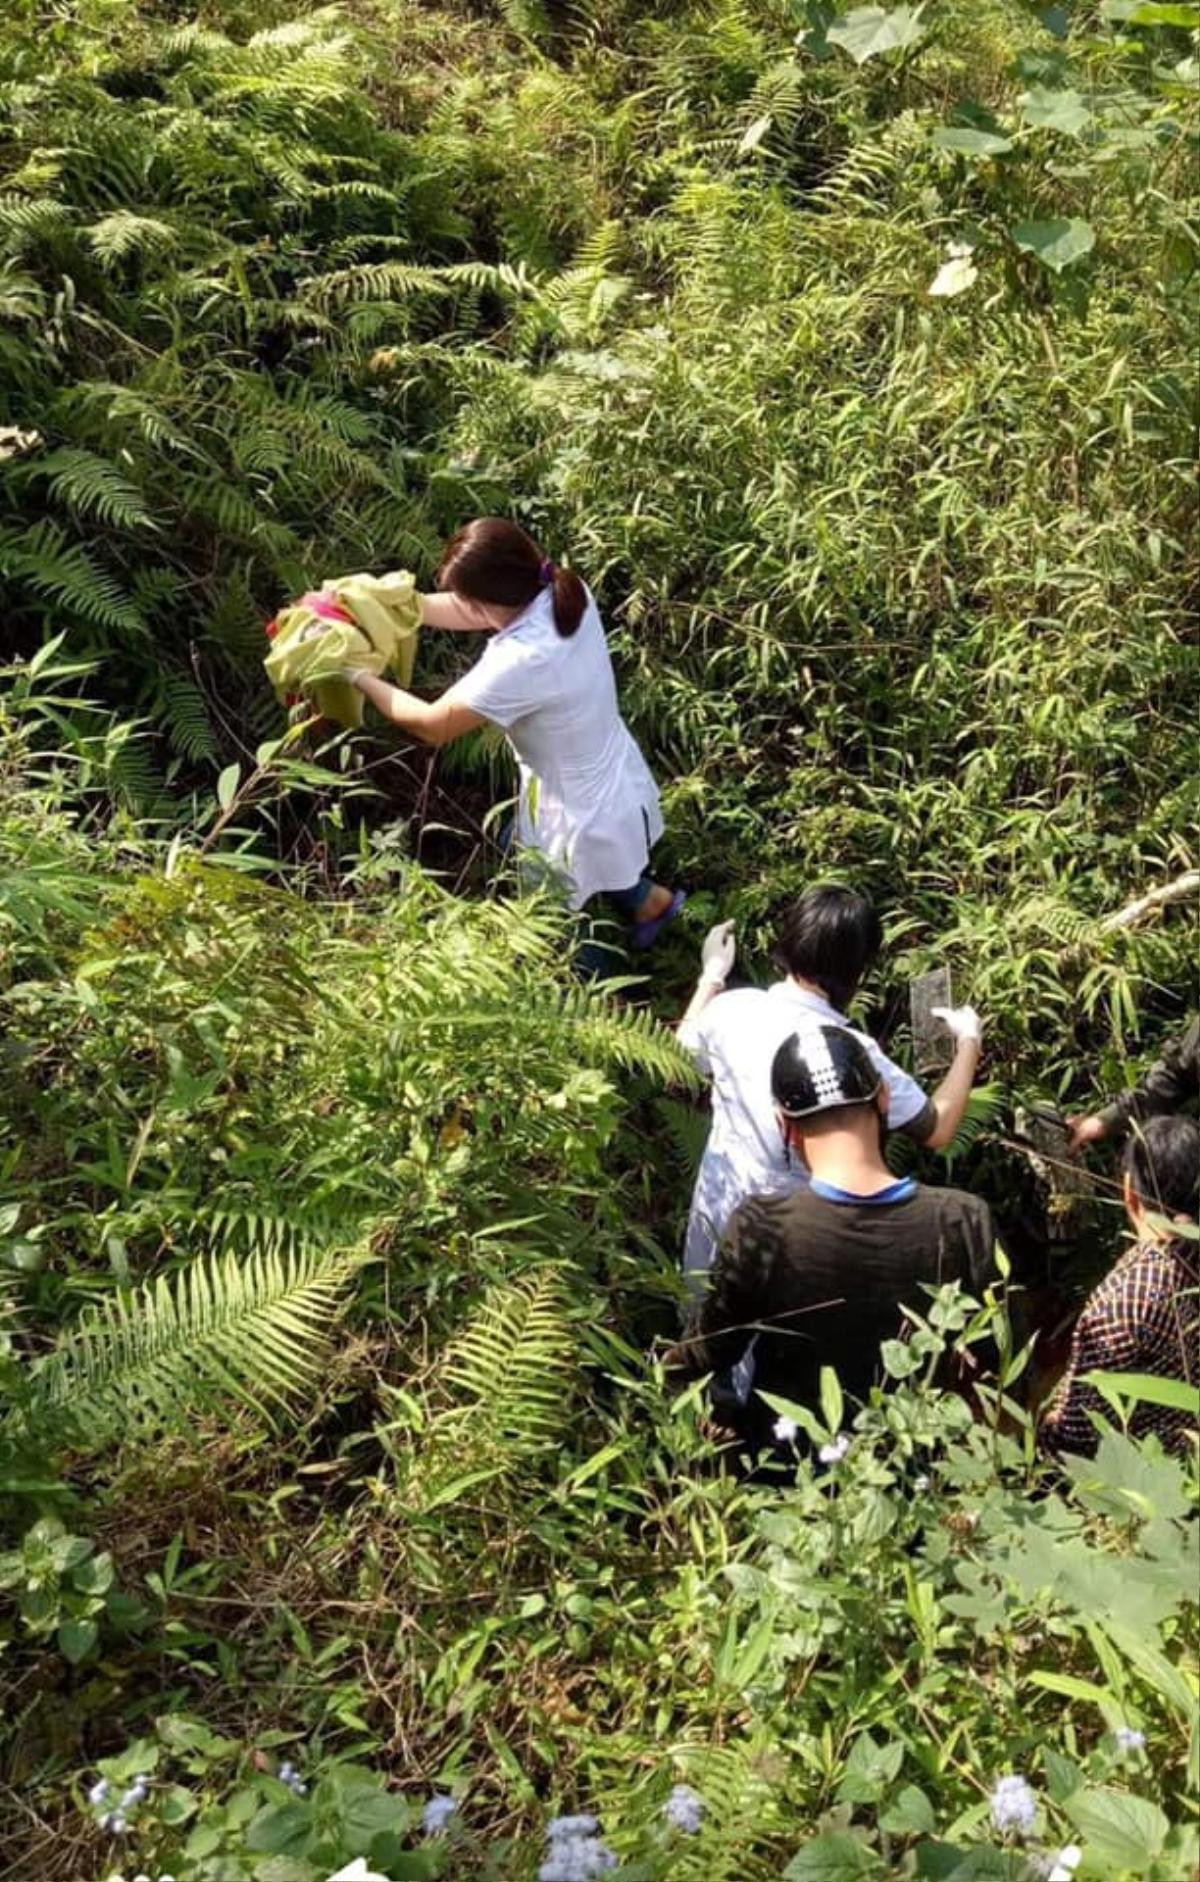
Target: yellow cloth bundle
point(357, 621)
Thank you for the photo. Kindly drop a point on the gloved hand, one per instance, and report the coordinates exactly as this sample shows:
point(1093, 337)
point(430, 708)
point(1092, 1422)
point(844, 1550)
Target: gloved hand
point(718, 954)
point(963, 1021)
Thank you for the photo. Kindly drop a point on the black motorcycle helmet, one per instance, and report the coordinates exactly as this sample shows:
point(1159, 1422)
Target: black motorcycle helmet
point(821, 1068)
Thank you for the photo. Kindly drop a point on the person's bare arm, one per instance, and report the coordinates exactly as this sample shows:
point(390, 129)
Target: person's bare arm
point(433, 721)
point(448, 612)
point(951, 1097)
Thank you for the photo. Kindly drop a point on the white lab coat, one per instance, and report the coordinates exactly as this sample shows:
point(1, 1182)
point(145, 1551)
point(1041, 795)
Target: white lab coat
point(587, 801)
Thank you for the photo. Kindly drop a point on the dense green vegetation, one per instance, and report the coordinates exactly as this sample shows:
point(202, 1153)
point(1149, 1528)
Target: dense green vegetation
point(849, 354)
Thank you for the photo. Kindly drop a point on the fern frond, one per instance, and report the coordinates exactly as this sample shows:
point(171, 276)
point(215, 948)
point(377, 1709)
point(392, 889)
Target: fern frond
point(26, 221)
point(740, 1804)
point(512, 1366)
point(44, 560)
point(21, 297)
point(183, 712)
point(92, 486)
point(256, 1331)
point(594, 1023)
point(121, 233)
point(687, 1134)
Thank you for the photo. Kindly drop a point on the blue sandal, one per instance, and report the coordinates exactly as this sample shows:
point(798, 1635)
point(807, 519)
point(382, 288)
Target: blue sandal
point(646, 933)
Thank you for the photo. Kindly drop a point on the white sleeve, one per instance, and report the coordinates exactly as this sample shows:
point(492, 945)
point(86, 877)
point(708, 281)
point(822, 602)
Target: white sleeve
point(907, 1099)
point(696, 1036)
point(503, 685)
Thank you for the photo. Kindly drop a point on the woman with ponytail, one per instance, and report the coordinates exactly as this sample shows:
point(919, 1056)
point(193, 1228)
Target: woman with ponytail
point(587, 802)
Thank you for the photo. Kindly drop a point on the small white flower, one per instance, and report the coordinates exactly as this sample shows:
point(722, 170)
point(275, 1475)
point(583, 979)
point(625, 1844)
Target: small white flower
point(114, 1823)
point(1014, 1805)
point(833, 1453)
point(1066, 1862)
point(438, 1812)
point(684, 1809)
point(142, 1877)
point(135, 1795)
point(357, 1871)
point(559, 1827)
point(920, 1483)
point(576, 1859)
point(287, 1772)
point(1128, 1739)
point(785, 1430)
point(957, 251)
point(99, 1791)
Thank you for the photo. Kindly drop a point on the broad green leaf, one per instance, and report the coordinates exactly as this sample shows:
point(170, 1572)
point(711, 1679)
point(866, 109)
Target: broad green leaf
point(1057, 243)
point(1170, 1682)
point(867, 32)
point(911, 1814)
point(280, 1829)
point(77, 1638)
point(833, 1405)
point(176, 1805)
point(94, 1575)
point(1071, 1687)
point(1148, 1387)
point(971, 143)
point(227, 785)
point(1154, 13)
point(1062, 1777)
point(837, 1856)
point(870, 1768)
point(1047, 110)
point(1124, 1831)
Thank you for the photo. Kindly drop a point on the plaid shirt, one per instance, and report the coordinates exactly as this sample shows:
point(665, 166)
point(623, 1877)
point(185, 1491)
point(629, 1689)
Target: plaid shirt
point(1142, 1318)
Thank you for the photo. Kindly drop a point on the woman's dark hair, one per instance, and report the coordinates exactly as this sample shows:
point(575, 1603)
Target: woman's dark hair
point(1162, 1161)
point(492, 559)
point(830, 936)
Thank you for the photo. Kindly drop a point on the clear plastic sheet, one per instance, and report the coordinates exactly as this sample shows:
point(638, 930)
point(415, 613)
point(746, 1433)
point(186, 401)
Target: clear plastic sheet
point(933, 1042)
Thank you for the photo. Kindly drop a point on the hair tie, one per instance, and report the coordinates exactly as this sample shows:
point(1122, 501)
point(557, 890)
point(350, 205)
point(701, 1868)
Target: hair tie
point(547, 572)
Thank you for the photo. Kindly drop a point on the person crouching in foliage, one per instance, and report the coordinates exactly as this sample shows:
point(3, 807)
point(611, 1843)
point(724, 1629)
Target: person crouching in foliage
point(1172, 1081)
point(820, 1277)
point(827, 940)
point(1144, 1316)
point(588, 805)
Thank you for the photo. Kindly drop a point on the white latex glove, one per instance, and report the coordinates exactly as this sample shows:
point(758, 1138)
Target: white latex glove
point(963, 1021)
point(718, 955)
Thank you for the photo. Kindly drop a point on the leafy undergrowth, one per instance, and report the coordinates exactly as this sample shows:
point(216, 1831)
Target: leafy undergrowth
point(849, 358)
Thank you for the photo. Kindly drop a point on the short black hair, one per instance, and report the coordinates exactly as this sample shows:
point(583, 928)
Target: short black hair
point(830, 936)
point(1162, 1161)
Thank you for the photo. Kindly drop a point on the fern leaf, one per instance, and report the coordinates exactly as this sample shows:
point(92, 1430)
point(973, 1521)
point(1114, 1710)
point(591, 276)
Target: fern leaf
point(120, 234)
point(91, 486)
point(44, 560)
point(256, 1331)
point(512, 1365)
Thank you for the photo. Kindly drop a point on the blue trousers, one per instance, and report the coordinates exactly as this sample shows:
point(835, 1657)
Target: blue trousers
point(600, 957)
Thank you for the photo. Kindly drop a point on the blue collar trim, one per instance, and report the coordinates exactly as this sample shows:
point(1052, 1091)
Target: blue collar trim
point(895, 1192)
